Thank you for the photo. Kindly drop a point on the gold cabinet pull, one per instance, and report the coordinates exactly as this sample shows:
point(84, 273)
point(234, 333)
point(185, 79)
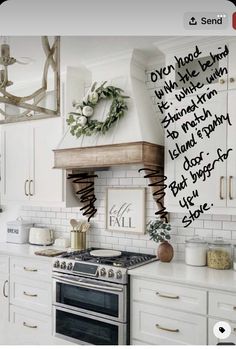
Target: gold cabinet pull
point(4, 289)
point(30, 269)
point(234, 308)
point(230, 188)
point(26, 182)
point(167, 329)
point(222, 81)
point(221, 183)
point(166, 296)
point(29, 326)
point(234, 329)
point(29, 294)
point(232, 80)
point(30, 192)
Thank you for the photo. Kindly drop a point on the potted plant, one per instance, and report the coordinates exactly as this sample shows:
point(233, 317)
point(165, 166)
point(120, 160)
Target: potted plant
point(160, 233)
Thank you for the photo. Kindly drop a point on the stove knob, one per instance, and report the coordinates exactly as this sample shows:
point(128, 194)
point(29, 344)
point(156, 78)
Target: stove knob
point(63, 265)
point(70, 266)
point(103, 272)
point(119, 274)
point(56, 264)
point(111, 273)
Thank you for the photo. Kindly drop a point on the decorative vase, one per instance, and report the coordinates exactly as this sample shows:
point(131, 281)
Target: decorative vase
point(165, 252)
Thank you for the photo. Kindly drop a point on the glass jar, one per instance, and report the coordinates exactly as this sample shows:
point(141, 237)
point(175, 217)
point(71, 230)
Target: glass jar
point(219, 254)
point(196, 252)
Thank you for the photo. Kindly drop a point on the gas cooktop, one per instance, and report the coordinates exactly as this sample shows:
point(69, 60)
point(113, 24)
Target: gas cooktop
point(105, 268)
point(125, 260)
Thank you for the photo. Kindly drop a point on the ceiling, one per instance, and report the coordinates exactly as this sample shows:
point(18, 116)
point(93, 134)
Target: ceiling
point(75, 51)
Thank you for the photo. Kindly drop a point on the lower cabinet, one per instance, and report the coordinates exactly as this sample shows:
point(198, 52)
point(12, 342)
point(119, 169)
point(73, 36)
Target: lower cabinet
point(161, 326)
point(26, 308)
point(4, 298)
point(212, 340)
point(165, 313)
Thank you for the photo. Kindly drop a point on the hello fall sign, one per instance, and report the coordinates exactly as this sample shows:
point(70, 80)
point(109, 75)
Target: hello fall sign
point(125, 209)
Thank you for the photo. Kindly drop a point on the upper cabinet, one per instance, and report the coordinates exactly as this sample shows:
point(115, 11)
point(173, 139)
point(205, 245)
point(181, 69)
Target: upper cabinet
point(27, 171)
point(27, 159)
point(217, 62)
point(219, 186)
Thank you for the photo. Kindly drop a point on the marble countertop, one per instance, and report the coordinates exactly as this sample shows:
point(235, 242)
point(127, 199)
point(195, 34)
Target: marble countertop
point(179, 272)
point(23, 250)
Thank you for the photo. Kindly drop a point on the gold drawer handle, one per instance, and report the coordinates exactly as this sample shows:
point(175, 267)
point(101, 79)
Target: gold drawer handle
point(221, 183)
point(167, 329)
point(30, 269)
point(29, 326)
point(232, 80)
point(230, 187)
point(29, 294)
point(234, 308)
point(166, 296)
point(222, 81)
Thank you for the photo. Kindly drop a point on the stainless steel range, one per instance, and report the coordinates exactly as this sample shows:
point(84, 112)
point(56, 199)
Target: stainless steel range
point(90, 295)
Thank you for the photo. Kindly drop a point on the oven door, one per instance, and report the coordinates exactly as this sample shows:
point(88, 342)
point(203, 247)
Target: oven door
point(93, 297)
point(82, 328)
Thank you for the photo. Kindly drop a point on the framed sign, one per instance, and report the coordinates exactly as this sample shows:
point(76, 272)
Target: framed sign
point(125, 209)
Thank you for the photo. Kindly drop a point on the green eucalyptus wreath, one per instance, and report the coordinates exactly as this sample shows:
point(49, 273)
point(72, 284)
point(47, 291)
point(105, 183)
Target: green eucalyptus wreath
point(80, 122)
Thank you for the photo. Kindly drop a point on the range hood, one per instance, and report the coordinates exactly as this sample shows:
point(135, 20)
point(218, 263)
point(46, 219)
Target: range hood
point(137, 138)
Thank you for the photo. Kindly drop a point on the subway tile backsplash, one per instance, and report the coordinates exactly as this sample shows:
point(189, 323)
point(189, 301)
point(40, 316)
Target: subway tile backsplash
point(209, 226)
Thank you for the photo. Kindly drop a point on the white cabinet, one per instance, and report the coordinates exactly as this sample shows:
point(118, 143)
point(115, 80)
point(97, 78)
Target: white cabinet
point(28, 173)
point(206, 149)
point(212, 340)
point(219, 188)
point(167, 313)
point(161, 326)
point(4, 298)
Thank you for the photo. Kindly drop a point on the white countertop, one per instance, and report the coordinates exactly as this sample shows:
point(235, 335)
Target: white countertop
point(179, 272)
point(22, 250)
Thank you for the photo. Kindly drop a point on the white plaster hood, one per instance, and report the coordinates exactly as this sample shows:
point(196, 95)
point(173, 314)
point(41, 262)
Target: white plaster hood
point(137, 138)
point(140, 122)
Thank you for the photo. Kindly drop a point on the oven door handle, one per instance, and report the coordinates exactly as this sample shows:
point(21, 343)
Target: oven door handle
point(87, 284)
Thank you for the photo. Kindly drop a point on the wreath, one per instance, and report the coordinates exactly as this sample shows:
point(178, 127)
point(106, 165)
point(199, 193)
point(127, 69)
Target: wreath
point(80, 121)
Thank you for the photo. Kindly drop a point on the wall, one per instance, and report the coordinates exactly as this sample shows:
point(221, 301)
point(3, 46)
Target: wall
point(209, 226)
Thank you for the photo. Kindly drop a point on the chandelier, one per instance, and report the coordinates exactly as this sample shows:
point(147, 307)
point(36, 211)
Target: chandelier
point(29, 105)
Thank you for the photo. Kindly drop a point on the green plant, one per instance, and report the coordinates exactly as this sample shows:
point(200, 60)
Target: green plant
point(159, 231)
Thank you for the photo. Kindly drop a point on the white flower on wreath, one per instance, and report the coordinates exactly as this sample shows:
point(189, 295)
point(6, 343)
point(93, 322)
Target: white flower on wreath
point(93, 98)
point(82, 121)
point(87, 111)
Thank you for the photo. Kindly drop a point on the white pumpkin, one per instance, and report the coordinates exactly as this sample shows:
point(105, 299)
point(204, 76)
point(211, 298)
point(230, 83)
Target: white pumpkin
point(87, 111)
point(82, 120)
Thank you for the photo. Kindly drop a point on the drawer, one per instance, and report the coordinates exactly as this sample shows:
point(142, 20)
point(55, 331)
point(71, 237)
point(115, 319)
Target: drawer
point(212, 340)
point(31, 268)
point(29, 327)
point(222, 305)
point(169, 295)
point(35, 295)
point(160, 326)
point(136, 342)
point(4, 264)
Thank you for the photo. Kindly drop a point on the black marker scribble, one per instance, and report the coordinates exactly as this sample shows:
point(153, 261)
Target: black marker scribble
point(2, 1)
point(159, 194)
point(87, 193)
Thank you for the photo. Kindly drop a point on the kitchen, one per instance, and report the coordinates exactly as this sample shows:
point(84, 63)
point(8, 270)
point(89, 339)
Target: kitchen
point(80, 221)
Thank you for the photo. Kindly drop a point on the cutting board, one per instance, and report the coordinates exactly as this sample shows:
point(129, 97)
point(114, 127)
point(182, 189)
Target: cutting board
point(49, 252)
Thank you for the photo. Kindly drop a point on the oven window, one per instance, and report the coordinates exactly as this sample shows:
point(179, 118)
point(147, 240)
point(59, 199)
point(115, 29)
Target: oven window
point(84, 298)
point(86, 330)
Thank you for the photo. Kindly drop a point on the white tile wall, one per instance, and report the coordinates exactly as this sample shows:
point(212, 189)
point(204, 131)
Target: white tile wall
point(209, 226)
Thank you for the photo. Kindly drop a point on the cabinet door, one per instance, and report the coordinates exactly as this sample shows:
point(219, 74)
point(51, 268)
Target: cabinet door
point(213, 77)
point(232, 66)
point(4, 306)
point(213, 189)
point(231, 140)
point(45, 182)
point(212, 340)
point(15, 162)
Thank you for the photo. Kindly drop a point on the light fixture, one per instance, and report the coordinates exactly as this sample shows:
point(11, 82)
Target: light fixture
point(28, 107)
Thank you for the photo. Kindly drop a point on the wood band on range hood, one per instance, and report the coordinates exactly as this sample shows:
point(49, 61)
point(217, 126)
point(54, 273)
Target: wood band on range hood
point(104, 156)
